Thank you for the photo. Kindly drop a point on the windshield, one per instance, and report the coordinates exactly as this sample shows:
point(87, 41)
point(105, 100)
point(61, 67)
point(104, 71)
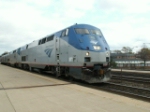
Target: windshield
point(96, 32)
point(81, 31)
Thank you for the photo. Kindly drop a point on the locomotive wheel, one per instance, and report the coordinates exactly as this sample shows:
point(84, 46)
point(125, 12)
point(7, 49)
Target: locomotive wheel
point(27, 67)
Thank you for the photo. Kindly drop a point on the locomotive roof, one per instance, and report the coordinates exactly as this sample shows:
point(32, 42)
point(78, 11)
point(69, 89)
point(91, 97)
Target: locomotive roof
point(74, 26)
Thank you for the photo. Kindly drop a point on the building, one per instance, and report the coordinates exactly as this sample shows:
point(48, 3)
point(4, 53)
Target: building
point(128, 60)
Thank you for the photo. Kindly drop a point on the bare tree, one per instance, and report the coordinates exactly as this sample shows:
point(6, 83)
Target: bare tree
point(144, 54)
point(117, 51)
point(126, 49)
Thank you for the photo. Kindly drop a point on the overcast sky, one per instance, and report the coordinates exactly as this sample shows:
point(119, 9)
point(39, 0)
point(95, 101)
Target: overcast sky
point(123, 22)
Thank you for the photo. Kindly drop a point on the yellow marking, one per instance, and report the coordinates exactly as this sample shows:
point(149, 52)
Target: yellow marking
point(101, 72)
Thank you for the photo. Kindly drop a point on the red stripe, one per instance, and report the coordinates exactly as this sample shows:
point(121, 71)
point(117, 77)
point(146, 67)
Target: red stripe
point(55, 65)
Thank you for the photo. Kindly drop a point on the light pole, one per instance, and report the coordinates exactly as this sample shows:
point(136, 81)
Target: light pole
point(144, 45)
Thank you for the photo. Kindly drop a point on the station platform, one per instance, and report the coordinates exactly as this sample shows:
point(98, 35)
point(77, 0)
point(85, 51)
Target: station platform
point(23, 91)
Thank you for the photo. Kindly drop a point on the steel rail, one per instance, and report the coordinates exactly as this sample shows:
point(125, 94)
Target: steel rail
point(141, 92)
point(130, 78)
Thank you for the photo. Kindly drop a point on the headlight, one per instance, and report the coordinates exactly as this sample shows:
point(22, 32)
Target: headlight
point(87, 54)
point(97, 47)
point(107, 53)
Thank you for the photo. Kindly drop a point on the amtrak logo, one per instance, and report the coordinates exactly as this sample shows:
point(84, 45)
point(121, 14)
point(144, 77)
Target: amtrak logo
point(93, 42)
point(48, 52)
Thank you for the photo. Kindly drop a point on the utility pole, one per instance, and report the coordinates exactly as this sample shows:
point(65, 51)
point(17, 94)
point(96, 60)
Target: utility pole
point(134, 56)
point(144, 45)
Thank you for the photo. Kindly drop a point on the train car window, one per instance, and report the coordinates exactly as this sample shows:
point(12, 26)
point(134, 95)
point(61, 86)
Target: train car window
point(24, 58)
point(81, 31)
point(50, 38)
point(14, 51)
point(96, 32)
point(18, 51)
point(27, 47)
point(40, 42)
point(43, 40)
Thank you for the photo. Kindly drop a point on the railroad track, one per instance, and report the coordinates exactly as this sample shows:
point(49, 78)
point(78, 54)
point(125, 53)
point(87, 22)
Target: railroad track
point(137, 85)
point(127, 90)
point(112, 87)
point(131, 90)
point(132, 78)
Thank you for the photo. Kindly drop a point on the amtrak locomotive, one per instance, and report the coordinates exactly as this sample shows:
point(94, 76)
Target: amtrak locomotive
point(79, 51)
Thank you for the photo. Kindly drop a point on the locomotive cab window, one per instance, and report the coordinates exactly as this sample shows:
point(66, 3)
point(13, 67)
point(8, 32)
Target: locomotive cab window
point(65, 33)
point(96, 32)
point(81, 31)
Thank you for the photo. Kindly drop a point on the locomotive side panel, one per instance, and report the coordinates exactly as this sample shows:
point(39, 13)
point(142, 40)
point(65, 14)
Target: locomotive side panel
point(40, 55)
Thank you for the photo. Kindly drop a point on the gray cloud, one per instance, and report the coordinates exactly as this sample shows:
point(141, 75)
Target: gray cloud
point(23, 21)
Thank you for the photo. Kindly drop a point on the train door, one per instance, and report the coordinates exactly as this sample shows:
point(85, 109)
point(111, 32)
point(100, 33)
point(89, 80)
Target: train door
point(57, 49)
point(57, 53)
point(64, 46)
